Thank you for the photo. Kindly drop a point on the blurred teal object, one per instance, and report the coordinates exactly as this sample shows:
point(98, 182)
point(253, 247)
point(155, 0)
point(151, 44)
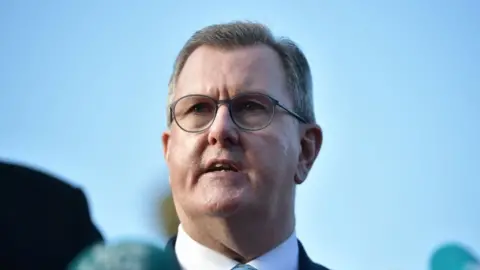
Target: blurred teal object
point(454, 256)
point(124, 255)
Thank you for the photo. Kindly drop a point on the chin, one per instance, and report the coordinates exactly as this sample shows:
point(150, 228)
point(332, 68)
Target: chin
point(223, 208)
point(221, 200)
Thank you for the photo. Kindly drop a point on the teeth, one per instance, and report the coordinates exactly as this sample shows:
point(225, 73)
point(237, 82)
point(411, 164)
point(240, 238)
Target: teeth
point(222, 166)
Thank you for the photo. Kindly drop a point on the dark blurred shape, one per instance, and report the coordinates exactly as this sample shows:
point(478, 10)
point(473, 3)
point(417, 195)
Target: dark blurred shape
point(168, 215)
point(45, 222)
point(454, 256)
point(127, 255)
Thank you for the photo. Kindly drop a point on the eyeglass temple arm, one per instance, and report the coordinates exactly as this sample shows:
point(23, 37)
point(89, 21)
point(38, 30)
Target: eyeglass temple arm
point(294, 114)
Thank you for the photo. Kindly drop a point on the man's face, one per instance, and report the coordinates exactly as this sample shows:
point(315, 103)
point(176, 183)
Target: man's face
point(268, 162)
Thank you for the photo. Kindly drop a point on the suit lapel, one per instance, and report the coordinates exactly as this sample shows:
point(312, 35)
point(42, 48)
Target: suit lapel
point(170, 252)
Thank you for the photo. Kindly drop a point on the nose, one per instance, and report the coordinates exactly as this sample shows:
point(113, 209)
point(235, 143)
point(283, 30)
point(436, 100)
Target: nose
point(223, 131)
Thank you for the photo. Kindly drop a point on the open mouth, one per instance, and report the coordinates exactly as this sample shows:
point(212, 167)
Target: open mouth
point(221, 167)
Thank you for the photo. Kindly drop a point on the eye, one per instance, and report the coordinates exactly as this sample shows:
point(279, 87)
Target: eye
point(198, 108)
point(251, 105)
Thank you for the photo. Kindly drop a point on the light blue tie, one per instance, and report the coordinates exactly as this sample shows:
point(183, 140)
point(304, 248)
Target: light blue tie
point(244, 267)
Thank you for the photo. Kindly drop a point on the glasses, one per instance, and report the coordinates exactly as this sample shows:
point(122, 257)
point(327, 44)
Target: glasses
point(250, 111)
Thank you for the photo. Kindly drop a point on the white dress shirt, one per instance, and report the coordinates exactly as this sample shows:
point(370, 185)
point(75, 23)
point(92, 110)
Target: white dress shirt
point(194, 256)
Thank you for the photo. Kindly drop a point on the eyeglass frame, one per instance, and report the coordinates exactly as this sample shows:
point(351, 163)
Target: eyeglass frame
point(228, 103)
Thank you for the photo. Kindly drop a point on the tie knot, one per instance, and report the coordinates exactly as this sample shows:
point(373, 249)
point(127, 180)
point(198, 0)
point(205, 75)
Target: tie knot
point(244, 267)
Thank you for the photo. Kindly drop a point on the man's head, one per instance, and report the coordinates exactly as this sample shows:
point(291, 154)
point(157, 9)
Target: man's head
point(242, 129)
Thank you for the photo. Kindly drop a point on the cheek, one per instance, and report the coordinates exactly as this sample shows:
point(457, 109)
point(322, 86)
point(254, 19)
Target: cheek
point(284, 139)
point(282, 142)
point(183, 158)
point(181, 155)
point(272, 153)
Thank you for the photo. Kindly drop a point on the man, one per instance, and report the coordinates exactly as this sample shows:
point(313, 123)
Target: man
point(242, 135)
point(45, 222)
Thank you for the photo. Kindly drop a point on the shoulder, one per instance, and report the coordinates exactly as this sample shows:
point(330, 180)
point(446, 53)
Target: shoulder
point(304, 261)
point(315, 266)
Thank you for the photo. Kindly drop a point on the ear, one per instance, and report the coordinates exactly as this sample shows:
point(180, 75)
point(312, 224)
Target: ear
point(311, 142)
point(165, 141)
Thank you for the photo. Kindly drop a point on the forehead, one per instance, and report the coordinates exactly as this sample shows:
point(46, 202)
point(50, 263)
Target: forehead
point(225, 72)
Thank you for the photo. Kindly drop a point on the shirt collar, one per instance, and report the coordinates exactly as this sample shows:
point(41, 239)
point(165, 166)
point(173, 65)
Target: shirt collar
point(193, 255)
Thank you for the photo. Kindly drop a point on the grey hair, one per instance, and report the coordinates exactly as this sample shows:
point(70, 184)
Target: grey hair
point(243, 34)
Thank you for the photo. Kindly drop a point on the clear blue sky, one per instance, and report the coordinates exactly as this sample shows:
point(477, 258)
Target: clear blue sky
point(83, 87)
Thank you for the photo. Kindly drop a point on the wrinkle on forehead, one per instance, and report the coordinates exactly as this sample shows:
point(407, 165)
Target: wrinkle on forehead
point(212, 71)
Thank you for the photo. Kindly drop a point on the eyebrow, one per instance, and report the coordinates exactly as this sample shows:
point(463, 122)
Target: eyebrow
point(236, 91)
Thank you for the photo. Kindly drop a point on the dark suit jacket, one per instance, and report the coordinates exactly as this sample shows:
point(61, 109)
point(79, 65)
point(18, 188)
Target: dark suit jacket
point(304, 262)
point(44, 222)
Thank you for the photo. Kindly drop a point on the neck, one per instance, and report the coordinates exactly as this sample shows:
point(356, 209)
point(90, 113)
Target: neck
point(241, 238)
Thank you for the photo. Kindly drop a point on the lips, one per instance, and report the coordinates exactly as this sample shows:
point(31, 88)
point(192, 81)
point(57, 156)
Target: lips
point(221, 165)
